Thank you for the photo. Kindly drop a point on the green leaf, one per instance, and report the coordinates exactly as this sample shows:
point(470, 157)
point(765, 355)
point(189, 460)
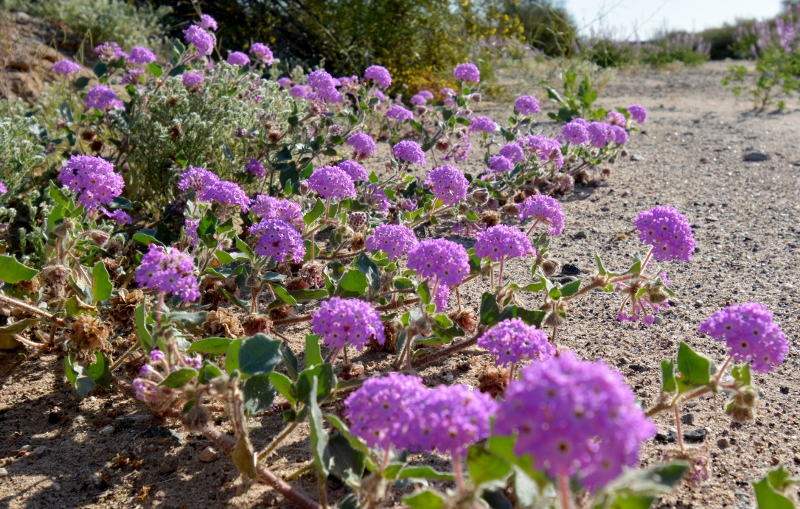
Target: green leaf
point(232, 357)
point(353, 283)
point(289, 360)
point(11, 271)
point(308, 295)
point(424, 472)
point(99, 371)
point(142, 329)
point(259, 394)
point(355, 442)
point(208, 372)
point(58, 195)
point(344, 461)
point(244, 248)
point(144, 238)
point(178, 70)
point(487, 468)
point(179, 378)
point(313, 355)
point(370, 270)
point(192, 321)
point(283, 295)
point(489, 309)
point(101, 282)
point(530, 317)
point(403, 283)
point(601, 270)
point(214, 346)
point(244, 458)
point(741, 373)
point(424, 292)
point(100, 68)
point(781, 479)
point(668, 383)
point(325, 382)
point(427, 499)
point(571, 288)
point(637, 489)
point(156, 70)
point(313, 214)
point(695, 368)
point(284, 386)
point(259, 355)
point(235, 300)
point(319, 438)
point(78, 377)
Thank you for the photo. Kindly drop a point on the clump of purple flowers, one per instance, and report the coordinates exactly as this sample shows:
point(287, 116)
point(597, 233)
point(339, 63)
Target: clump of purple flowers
point(227, 193)
point(501, 242)
point(192, 79)
point(332, 182)
point(340, 321)
point(575, 417)
point(513, 340)
point(379, 75)
point(448, 184)
point(638, 113)
point(362, 144)
point(618, 135)
point(545, 209)
point(255, 167)
point(441, 260)
point(298, 91)
point(102, 98)
point(354, 170)
point(451, 418)
point(109, 50)
point(484, 124)
point(668, 231)
point(750, 333)
point(199, 179)
point(140, 55)
point(66, 67)
point(409, 151)
point(500, 164)
point(527, 105)
point(278, 239)
point(615, 118)
point(262, 52)
point(598, 134)
point(513, 152)
point(208, 22)
point(92, 179)
point(203, 41)
point(398, 112)
point(167, 270)
point(418, 100)
point(467, 72)
point(238, 58)
point(576, 132)
point(267, 207)
point(393, 239)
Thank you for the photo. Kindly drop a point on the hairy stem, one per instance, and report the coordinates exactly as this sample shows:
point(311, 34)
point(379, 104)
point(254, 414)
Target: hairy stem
point(4, 299)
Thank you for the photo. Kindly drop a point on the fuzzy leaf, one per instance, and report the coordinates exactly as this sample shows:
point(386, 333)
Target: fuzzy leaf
point(11, 271)
point(101, 282)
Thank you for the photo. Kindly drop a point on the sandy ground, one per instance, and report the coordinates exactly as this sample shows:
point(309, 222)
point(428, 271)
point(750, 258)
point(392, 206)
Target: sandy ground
point(108, 451)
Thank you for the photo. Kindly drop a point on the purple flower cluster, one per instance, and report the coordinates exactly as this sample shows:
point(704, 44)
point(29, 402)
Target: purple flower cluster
point(165, 269)
point(298, 91)
point(66, 67)
point(203, 41)
point(278, 239)
point(439, 259)
point(140, 55)
point(638, 113)
point(325, 85)
point(3, 188)
point(598, 134)
point(198, 179)
point(576, 131)
point(362, 144)
point(451, 418)
point(208, 22)
point(393, 239)
point(513, 340)
point(467, 72)
point(262, 52)
point(92, 179)
point(750, 333)
point(379, 75)
point(545, 209)
point(418, 100)
point(255, 167)
point(575, 417)
point(668, 231)
point(102, 98)
point(376, 198)
point(427, 94)
point(502, 242)
point(527, 105)
point(340, 321)
point(109, 50)
point(615, 118)
point(500, 164)
point(133, 77)
point(398, 112)
point(547, 149)
point(332, 182)
point(209, 187)
point(120, 216)
point(513, 152)
point(354, 170)
point(284, 82)
point(409, 151)
point(238, 58)
point(267, 207)
point(448, 184)
point(192, 79)
point(441, 298)
point(618, 135)
point(484, 124)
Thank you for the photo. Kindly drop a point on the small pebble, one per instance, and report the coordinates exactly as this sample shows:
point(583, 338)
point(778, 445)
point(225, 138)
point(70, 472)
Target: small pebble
point(108, 430)
point(687, 419)
point(637, 157)
point(25, 448)
point(3, 473)
point(755, 157)
point(784, 390)
point(723, 443)
point(40, 450)
point(208, 455)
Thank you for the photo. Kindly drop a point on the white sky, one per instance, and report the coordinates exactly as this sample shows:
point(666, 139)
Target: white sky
point(648, 16)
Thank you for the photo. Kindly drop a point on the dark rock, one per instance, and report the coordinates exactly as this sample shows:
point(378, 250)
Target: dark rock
point(569, 269)
point(695, 436)
point(638, 368)
point(784, 390)
point(687, 419)
point(637, 157)
point(165, 433)
point(723, 443)
point(755, 157)
point(168, 466)
point(666, 437)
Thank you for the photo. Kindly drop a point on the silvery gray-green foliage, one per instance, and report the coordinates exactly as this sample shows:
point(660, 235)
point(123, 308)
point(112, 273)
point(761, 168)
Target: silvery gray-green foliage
point(200, 126)
point(20, 153)
point(102, 20)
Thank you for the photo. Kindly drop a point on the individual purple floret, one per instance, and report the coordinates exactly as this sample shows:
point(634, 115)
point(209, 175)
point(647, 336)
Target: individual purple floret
point(279, 240)
point(379, 75)
point(332, 182)
point(513, 340)
point(208, 22)
point(618, 135)
point(341, 321)
point(500, 164)
point(451, 418)
point(255, 167)
point(440, 259)
point(192, 79)
point(418, 100)
point(384, 409)
point(501, 242)
point(299, 91)
point(140, 55)
point(3, 188)
point(354, 170)
point(167, 270)
point(615, 118)
point(190, 230)
point(467, 72)
point(262, 52)
point(92, 179)
point(598, 134)
point(513, 152)
point(668, 231)
point(203, 41)
point(484, 124)
point(409, 151)
point(267, 207)
point(527, 105)
point(393, 239)
point(376, 198)
point(362, 144)
point(400, 113)
point(102, 98)
point(545, 209)
point(576, 418)
point(575, 132)
point(448, 184)
point(284, 82)
point(238, 58)
point(750, 333)
point(66, 67)
point(638, 113)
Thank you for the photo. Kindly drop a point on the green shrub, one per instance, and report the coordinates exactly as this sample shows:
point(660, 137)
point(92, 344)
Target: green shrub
point(21, 153)
point(548, 27)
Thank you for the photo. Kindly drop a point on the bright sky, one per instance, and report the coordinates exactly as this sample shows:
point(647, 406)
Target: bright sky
point(648, 16)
